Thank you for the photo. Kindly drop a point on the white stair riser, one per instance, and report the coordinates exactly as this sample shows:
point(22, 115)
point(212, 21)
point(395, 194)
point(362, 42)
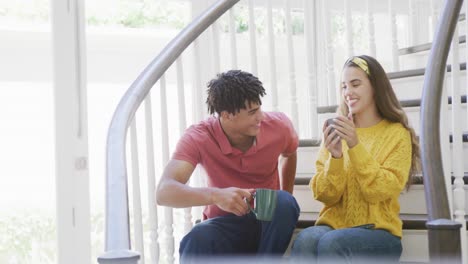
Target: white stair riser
point(411, 88)
point(415, 246)
point(419, 59)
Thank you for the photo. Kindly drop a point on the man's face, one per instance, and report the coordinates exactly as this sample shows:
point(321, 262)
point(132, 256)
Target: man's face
point(247, 121)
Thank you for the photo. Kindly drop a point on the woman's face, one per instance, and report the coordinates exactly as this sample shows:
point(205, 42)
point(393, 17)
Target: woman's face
point(357, 90)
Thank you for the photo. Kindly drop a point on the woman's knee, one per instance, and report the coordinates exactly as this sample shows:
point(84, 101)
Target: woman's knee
point(331, 245)
point(359, 243)
point(308, 239)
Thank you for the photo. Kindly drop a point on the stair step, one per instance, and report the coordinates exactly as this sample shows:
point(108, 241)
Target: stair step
point(410, 222)
point(418, 72)
point(424, 47)
point(416, 180)
point(404, 104)
point(317, 142)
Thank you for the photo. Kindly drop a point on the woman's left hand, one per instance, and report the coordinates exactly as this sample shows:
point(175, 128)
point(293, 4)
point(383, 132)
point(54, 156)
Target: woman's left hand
point(346, 130)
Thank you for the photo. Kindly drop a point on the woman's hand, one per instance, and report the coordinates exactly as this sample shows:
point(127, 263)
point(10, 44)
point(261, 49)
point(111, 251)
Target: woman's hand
point(346, 130)
point(332, 141)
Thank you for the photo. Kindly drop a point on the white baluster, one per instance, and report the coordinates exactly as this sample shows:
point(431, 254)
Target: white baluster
point(197, 104)
point(272, 56)
point(412, 26)
point(197, 91)
point(182, 126)
point(150, 167)
point(216, 55)
point(232, 34)
point(457, 143)
point(393, 29)
point(435, 16)
point(466, 57)
point(330, 71)
point(253, 43)
point(444, 127)
point(168, 232)
point(137, 219)
point(309, 33)
point(371, 29)
point(349, 27)
point(292, 70)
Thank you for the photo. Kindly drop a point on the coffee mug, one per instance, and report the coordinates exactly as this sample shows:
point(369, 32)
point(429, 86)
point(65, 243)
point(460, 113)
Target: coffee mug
point(265, 204)
point(330, 122)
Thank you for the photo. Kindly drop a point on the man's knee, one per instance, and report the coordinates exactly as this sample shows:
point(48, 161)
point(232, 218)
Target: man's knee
point(287, 204)
point(200, 236)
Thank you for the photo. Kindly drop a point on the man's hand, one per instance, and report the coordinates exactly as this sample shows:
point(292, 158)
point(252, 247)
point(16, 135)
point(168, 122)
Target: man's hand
point(233, 200)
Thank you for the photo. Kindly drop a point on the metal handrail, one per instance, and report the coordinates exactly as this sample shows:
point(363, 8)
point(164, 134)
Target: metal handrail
point(117, 245)
point(443, 232)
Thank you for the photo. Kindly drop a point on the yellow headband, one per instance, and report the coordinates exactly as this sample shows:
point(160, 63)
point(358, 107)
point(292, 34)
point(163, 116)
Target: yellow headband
point(361, 63)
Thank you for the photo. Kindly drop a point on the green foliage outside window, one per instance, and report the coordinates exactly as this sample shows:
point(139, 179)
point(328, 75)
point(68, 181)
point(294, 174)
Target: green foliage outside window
point(147, 14)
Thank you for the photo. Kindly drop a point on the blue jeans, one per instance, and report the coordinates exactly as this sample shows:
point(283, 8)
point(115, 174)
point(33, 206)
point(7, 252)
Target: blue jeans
point(242, 235)
point(324, 244)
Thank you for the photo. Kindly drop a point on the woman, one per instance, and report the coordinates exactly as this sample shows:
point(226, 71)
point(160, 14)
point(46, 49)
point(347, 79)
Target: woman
point(368, 155)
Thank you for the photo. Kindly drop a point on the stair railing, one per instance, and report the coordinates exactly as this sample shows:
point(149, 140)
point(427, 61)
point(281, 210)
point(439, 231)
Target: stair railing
point(117, 234)
point(443, 232)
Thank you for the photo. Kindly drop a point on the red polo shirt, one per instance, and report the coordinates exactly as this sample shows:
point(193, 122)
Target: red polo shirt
point(206, 144)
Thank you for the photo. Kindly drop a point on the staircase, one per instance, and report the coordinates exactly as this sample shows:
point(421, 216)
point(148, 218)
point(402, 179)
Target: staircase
point(309, 99)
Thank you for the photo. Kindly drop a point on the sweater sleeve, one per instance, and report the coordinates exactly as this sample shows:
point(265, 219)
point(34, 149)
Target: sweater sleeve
point(329, 182)
point(379, 182)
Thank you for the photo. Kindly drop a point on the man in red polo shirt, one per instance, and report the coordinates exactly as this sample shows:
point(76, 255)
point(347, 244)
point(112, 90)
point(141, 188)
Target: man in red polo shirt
point(239, 149)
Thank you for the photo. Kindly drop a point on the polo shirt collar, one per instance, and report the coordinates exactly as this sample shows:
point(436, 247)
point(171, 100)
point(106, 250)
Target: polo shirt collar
point(220, 137)
point(224, 143)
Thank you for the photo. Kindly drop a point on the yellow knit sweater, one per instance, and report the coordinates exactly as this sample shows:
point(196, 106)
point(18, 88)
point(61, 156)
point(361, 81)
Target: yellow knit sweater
point(363, 186)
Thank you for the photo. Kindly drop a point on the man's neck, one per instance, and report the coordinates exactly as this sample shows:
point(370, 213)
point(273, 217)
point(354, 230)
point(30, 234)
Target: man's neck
point(237, 140)
point(242, 144)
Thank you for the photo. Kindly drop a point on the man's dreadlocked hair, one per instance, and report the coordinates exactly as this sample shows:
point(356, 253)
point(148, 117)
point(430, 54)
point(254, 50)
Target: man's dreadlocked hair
point(230, 90)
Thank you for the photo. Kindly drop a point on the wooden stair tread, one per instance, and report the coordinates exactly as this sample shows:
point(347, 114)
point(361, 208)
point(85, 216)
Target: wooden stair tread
point(404, 103)
point(410, 222)
point(416, 180)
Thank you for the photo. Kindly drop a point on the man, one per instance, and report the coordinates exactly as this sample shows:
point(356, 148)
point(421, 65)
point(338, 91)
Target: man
point(239, 150)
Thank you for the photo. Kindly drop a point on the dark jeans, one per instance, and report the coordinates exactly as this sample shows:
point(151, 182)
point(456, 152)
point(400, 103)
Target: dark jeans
point(322, 244)
point(242, 235)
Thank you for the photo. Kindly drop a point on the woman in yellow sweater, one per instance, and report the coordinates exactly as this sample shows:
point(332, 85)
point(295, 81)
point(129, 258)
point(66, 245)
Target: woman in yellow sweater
point(368, 156)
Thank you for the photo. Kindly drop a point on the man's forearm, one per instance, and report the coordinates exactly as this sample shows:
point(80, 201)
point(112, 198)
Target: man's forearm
point(174, 194)
point(288, 172)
